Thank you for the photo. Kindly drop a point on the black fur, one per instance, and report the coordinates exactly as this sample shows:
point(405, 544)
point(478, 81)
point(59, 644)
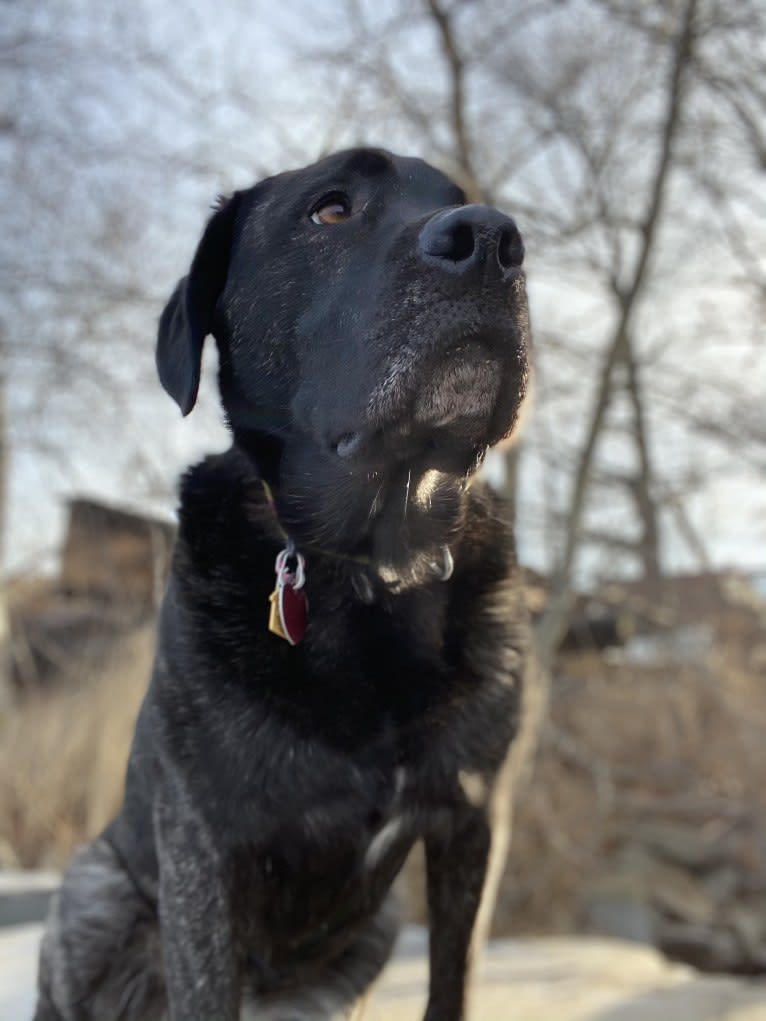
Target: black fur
point(274, 791)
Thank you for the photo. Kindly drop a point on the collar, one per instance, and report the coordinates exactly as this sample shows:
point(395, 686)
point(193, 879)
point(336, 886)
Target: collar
point(288, 604)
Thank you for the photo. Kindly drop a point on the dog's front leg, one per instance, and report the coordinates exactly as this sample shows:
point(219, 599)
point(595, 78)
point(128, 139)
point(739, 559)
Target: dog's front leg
point(200, 964)
point(456, 864)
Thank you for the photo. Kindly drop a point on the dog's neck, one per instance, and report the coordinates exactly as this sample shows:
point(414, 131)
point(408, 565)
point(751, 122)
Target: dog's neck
point(392, 528)
point(368, 577)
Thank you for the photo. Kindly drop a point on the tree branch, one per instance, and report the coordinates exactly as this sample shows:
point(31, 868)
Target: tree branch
point(456, 66)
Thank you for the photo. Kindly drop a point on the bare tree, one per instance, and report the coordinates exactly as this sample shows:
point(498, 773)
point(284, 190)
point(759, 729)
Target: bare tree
point(618, 346)
point(113, 145)
point(611, 130)
point(614, 132)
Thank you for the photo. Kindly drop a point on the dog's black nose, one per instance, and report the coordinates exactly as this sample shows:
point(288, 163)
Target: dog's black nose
point(463, 239)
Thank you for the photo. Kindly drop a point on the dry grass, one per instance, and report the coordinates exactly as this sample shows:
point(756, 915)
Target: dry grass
point(63, 756)
point(623, 743)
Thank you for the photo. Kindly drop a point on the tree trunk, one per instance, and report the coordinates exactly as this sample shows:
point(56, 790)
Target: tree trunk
point(553, 623)
point(643, 491)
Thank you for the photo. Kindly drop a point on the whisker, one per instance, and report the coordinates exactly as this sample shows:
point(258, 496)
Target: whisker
point(374, 503)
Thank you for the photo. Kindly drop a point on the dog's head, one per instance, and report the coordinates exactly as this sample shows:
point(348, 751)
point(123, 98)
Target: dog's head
point(373, 340)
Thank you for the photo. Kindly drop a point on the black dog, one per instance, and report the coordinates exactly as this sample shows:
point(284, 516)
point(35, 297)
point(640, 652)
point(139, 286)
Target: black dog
point(372, 331)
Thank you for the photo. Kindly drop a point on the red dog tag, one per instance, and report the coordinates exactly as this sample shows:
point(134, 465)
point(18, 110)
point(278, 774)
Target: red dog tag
point(288, 612)
point(293, 612)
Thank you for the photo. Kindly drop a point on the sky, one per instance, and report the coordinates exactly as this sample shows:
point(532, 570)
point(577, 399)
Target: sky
point(76, 90)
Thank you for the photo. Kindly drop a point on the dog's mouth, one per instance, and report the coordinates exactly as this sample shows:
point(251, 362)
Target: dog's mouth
point(426, 403)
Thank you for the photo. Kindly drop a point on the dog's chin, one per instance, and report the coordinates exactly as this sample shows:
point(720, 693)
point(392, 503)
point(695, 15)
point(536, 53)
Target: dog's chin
point(459, 393)
point(456, 387)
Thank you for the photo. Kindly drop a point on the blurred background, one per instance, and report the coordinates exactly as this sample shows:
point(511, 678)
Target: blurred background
point(628, 139)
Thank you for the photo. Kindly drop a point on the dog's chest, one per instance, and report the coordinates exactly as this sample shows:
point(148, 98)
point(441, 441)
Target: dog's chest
point(325, 855)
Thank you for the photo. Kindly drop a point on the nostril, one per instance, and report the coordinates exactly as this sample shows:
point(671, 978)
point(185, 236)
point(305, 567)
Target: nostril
point(463, 243)
point(510, 248)
point(452, 241)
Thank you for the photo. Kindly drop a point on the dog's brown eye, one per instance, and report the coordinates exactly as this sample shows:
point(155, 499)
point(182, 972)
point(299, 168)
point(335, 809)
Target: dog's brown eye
point(333, 208)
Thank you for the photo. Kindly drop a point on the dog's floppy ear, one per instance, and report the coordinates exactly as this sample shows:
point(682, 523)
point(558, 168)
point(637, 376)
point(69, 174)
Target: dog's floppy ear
point(188, 316)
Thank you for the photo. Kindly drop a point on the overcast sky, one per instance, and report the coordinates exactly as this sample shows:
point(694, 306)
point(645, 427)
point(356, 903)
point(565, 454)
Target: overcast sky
point(119, 81)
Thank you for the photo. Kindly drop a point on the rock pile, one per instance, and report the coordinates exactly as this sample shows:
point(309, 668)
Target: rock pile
point(698, 892)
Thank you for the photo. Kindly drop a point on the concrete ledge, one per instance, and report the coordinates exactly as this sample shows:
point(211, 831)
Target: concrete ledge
point(577, 979)
point(520, 980)
point(24, 896)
